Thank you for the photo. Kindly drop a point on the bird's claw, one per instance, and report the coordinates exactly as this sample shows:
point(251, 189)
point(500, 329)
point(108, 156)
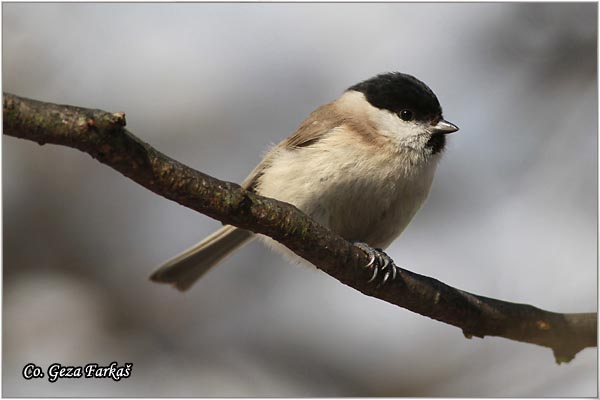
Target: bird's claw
point(379, 261)
point(375, 271)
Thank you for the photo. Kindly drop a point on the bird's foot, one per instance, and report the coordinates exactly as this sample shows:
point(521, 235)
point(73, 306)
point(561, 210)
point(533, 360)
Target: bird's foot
point(381, 264)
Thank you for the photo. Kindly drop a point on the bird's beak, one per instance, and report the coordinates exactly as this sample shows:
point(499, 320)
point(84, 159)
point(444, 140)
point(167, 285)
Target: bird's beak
point(444, 127)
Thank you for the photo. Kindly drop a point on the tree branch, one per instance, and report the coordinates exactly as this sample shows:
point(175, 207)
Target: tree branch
point(103, 136)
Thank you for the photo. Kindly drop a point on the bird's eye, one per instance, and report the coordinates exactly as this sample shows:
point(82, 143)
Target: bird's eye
point(406, 115)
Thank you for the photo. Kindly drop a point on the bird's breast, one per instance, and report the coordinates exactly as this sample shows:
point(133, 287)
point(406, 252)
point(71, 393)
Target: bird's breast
point(363, 193)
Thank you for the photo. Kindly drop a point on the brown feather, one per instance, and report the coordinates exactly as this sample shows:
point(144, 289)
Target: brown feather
point(320, 122)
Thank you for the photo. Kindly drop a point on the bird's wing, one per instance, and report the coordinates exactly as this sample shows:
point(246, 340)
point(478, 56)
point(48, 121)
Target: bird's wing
point(319, 122)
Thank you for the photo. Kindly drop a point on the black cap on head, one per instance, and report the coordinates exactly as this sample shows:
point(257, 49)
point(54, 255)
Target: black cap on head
point(395, 92)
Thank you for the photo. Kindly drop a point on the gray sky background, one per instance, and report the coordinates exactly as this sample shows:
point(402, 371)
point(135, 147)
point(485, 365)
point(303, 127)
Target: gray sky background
point(512, 213)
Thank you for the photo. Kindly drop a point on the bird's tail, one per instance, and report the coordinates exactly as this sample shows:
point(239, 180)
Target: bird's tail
point(185, 269)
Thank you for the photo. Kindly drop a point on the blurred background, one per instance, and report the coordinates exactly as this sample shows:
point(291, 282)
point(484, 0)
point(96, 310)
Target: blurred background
point(513, 209)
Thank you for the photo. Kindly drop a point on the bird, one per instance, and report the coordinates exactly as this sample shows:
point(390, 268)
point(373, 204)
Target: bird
point(361, 165)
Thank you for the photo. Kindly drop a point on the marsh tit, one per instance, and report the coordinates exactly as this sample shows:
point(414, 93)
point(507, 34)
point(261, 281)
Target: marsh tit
point(361, 165)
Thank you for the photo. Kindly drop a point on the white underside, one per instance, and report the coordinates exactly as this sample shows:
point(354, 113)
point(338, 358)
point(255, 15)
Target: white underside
point(362, 195)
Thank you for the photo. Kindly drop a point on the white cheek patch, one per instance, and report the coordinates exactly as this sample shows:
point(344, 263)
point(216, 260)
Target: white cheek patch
point(390, 124)
point(404, 133)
